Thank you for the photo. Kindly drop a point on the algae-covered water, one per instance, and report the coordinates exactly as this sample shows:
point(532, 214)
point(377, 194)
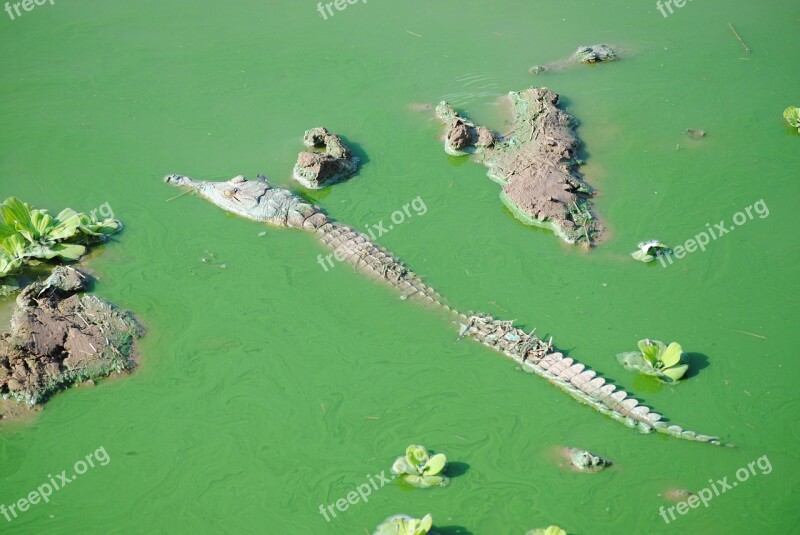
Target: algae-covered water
point(269, 386)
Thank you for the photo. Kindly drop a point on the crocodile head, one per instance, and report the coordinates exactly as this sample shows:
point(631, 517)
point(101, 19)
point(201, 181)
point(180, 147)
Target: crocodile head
point(255, 199)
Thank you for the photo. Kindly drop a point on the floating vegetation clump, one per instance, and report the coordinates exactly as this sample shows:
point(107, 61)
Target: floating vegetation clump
point(792, 116)
point(418, 468)
point(657, 359)
point(28, 235)
point(647, 251)
point(405, 525)
point(549, 530)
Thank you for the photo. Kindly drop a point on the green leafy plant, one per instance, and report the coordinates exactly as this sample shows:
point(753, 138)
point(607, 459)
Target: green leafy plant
point(418, 468)
point(405, 525)
point(792, 116)
point(648, 251)
point(29, 234)
point(549, 530)
point(656, 359)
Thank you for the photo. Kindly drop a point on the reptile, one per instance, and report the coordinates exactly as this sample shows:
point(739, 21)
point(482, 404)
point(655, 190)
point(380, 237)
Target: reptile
point(257, 200)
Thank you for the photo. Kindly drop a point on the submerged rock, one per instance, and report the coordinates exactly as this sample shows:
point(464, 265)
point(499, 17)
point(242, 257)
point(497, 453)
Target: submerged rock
point(677, 495)
point(59, 337)
point(695, 133)
point(535, 163)
point(316, 170)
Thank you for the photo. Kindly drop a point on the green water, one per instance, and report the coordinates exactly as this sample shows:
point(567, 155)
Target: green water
point(269, 387)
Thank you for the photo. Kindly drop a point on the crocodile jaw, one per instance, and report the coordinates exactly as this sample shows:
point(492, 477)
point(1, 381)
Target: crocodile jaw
point(239, 196)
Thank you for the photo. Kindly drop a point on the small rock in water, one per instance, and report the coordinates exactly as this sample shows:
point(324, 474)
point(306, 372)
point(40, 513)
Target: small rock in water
point(695, 134)
point(586, 461)
point(677, 495)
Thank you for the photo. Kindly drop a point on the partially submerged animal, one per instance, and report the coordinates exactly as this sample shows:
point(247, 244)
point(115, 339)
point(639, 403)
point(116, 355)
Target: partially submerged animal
point(536, 163)
point(587, 55)
point(259, 201)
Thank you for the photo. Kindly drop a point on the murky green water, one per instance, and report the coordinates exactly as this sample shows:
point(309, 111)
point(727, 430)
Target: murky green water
point(270, 387)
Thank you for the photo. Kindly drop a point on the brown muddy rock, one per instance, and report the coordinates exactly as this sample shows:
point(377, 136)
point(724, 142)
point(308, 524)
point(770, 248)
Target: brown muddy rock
point(460, 136)
point(59, 337)
point(316, 169)
point(535, 163)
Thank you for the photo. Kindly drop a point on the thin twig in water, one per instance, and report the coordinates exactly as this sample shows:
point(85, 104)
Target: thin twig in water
point(179, 195)
point(751, 334)
point(412, 33)
point(739, 37)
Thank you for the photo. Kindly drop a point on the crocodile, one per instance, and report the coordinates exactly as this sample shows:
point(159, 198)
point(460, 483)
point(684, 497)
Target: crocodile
point(259, 201)
point(536, 163)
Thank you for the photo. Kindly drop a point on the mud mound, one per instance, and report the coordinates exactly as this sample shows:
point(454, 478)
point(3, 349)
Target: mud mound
point(59, 337)
point(316, 170)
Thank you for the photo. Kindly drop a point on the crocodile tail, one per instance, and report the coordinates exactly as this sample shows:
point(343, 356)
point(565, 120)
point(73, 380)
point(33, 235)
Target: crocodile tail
point(574, 378)
point(531, 352)
point(356, 248)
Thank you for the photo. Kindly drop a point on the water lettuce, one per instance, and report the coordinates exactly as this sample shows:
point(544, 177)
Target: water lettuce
point(549, 530)
point(648, 251)
point(418, 468)
point(29, 234)
point(405, 525)
point(656, 359)
point(792, 116)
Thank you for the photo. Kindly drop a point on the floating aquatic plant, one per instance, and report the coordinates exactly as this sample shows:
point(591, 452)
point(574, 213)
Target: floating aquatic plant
point(549, 530)
point(792, 116)
point(418, 468)
point(29, 234)
point(405, 525)
point(648, 251)
point(656, 359)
